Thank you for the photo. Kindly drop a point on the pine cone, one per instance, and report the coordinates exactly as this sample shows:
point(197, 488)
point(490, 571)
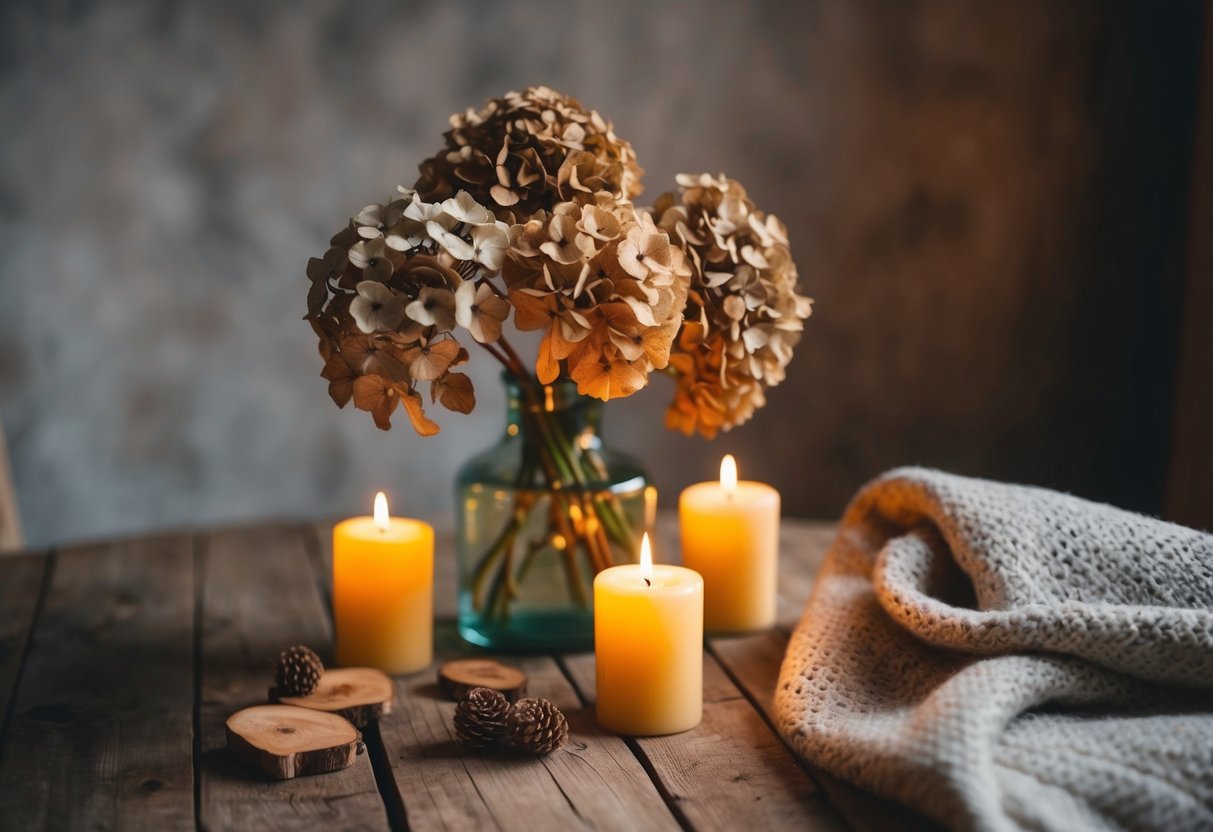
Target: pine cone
point(480, 717)
point(537, 726)
point(298, 670)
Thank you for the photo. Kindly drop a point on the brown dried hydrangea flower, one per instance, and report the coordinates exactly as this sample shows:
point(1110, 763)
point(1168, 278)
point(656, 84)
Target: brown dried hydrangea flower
point(743, 314)
point(388, 295)
point(607, 288)
point(527, 152)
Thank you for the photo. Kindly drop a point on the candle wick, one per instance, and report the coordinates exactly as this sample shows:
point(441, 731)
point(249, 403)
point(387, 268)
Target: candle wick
point(647, 582)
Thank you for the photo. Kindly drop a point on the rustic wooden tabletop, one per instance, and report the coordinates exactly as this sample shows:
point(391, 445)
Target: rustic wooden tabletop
point(120, 661)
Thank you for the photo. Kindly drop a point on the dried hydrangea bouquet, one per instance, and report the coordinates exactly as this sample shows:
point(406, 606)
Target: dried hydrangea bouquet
point(527, 212)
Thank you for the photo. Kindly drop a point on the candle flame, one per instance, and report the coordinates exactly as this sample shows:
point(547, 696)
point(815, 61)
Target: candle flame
point(728, 474)
point(381, 515)
point(646, 559)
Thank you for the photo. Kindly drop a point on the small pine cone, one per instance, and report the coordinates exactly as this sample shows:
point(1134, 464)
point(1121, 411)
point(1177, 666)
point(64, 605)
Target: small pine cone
point(537, 726)
point(298, 670)
point(480, 717)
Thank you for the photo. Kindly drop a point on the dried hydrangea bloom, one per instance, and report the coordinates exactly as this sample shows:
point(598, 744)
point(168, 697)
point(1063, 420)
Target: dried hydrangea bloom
point(606, 287)
point(743, 313)
point(528, 151)
point(389, 295)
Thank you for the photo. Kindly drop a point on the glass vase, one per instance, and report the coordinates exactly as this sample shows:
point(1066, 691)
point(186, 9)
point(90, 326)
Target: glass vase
point(539, 514)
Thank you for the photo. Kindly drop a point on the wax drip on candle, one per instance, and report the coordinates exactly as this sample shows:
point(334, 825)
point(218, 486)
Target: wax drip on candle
point(381, 515)
point(728, 475)
point(646, 560)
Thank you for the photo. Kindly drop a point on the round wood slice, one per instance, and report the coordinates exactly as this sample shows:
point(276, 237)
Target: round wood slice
point(285, 742)
point(359, 694)
point(456, 679)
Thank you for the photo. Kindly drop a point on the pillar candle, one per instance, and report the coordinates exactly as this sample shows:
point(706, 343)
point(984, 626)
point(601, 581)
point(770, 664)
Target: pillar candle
point(730, 535)
point(383, 591)
point(648, 645)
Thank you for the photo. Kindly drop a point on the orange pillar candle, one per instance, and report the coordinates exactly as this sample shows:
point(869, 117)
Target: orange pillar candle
point(383, 591)
point(648, 645)
point(730, 535)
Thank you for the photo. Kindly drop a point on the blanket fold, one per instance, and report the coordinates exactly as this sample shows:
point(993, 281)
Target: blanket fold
point(1000, 657)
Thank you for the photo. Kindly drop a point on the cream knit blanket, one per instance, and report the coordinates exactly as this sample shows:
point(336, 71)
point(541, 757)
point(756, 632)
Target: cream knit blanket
point(1001, 657)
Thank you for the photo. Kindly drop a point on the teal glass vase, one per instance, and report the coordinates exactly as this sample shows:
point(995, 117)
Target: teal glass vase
point(539, 514)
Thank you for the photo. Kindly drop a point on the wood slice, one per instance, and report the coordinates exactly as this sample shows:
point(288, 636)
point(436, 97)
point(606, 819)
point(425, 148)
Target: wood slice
point(284, 741)
point(359, 694)
point(457, 678)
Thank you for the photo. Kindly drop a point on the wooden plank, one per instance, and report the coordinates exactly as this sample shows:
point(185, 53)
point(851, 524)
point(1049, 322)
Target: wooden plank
point(802, 545)
point(21, 579)
point(731, 772)
point(259, 596)
point(594, 782)
point(753, 662)
point(101, 730)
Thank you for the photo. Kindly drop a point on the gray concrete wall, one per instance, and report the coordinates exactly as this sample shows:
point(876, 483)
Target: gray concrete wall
point(983, 198)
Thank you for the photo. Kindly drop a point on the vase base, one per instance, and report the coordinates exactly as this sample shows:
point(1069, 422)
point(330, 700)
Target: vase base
point(550, 632)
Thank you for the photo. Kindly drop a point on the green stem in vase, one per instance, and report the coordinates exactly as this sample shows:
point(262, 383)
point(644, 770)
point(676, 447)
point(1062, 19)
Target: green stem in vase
point(602, 527)
point(499, 547)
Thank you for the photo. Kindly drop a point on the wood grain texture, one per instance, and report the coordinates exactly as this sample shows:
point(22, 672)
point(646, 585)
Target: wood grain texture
point(259, 596)
point(753, 662)
point(101, 729)
point(593, 782)
point(287, 741)
point(731, 772)
point(358, 694)
point(21, 578)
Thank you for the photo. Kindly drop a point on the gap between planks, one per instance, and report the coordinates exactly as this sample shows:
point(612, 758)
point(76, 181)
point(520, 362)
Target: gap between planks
point(596, 782)
point(111, 645)
point(742, 748)
point(240, 635)
point(12, 668)
point(385, 783)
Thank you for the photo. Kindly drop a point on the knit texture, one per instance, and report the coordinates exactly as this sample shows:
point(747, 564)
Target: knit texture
point(1000, 657)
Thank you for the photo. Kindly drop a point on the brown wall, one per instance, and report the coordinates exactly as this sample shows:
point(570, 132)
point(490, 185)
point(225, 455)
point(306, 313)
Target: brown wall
point(988, 201)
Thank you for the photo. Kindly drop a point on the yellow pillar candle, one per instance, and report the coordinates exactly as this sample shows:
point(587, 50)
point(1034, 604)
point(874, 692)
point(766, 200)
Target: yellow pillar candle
point(383, 591)
point(730, 535)
point(648, 642)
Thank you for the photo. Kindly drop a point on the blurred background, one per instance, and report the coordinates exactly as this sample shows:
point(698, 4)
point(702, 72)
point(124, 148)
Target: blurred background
point(1002, 210)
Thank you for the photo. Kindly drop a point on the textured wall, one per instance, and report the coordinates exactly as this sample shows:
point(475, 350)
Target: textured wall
point(982, 197)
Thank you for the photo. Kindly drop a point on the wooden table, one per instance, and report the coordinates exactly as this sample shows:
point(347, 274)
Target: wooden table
point(120, 661)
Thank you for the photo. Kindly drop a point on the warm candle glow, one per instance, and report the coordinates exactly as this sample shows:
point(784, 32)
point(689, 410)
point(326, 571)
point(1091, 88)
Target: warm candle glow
point(648, 646)
point(383, 591)
point(381, 515)
point(730, 536)
point(646, 559)
point(728, 474)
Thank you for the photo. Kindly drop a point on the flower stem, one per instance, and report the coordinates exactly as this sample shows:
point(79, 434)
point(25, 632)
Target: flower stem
point(599, 526)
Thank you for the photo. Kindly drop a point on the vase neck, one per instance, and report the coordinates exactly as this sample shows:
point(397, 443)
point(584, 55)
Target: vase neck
point(579, 417)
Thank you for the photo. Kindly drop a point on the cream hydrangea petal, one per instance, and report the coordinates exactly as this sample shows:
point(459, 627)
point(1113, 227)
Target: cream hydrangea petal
point(465, 299)
point(376, 308)
point(464, 208)
point(434, 307)
point(454, 245)
point(489, 244)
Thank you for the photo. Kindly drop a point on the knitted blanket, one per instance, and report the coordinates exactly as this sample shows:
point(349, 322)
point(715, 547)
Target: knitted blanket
point(1000, 657)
